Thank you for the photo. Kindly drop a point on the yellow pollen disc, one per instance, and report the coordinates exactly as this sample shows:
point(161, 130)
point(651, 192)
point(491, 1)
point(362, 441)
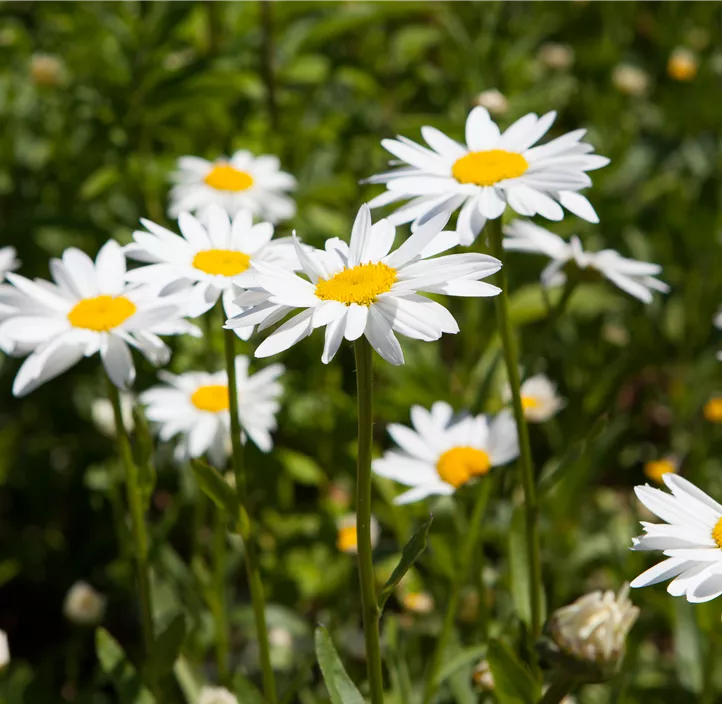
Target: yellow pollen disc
point(655, 469)
point(223, 177)
point(717, 533)
point(101, 313)
point(212, 398)
point(360, 284)
point(528, 402)
point(713, 410)
point(458, 465)
point(489, 167)
point(225, 262)
point(347, 540)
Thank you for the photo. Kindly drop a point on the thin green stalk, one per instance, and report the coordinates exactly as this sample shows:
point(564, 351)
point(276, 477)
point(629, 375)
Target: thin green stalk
point(138, 527)
point(220, 611)
point(560, 687)
point(369, 604)
point(531, 506)
point(255, 584)
point(269, 75)
point(462, 569)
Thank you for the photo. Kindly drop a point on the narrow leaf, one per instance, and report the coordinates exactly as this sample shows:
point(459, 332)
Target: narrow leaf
point(186, 679)
point(120, 671)
point(687, 646)
point(519, 567)
point(146, 469)
point(513, 683)
point(215, 486)
point(167, 646)
point(340, 687)
point(411, 552)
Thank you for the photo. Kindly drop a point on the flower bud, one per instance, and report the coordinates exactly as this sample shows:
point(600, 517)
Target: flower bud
point(587, 638)
point(556, 56)
point(83, 605)
point(46, 70)
point(493, 100)
point(630, 80)
point(216, 695)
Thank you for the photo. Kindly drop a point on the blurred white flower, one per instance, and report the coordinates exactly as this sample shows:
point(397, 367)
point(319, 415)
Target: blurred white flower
point(101, 413)
point(538, 397)
point(243, 182)
point(46, 70)
point(363, 288)
point(682, 64)
point(209, 260)
point(691, 539)
point(216, 695)
point(8, 261)
point(493, 100)
point(593, 630)
point(347, 535)
point(83, 605)
point(489, 172)
point(634, 277)
point(556, 56)
point(88, 309)
point(195, 405)
point(483, 677)
point(441, 454)
point(4, 650)
point(630, 80)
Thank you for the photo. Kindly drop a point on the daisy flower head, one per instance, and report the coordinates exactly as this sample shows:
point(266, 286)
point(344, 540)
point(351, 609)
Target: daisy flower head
point(439, 454)
point(539, 398)
point(636, 278)
point(88, 308)
point(488, 172)
point(364, 288)
point(347, 535)
point(211, 258)
point(242, 182)
point(195, 406)
point(690, 539)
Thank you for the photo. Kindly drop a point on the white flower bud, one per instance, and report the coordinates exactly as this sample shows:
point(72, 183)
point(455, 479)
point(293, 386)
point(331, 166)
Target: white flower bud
point(493, 100)
point(630, 80)
point(83, 605)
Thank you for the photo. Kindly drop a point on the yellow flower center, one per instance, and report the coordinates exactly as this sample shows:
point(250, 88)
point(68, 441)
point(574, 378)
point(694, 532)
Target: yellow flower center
point(717, 533)
point(655, 469)
point(682, 66)
point(458, 465)
point(360, 284)
point(347, 539)
point(489, 167)
point(101, 313)
point(223, 177)
point(212, 398)
point(713, 410)
point(529, 402)
point(225, 262)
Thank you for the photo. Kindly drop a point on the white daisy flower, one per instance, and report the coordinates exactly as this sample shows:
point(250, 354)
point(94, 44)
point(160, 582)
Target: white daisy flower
point(488, 172)
point(362, 289)
point(243, 182)
point(691, 539)
point(441, 454)
point(8, 261)
point(212, 259)
point(84, 605)
point(88, 309)
point(195, 405)
point(632, 276)
point(538, 397)
point(347, 535)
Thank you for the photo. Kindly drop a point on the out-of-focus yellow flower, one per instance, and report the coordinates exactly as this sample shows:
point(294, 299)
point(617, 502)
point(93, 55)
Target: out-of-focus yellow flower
point(347, 535)
point(713, 409)
point(630, 80)
point(656, 468)
point(46, 70)
point(556, 56)
point(418, 602)
point(493, 100)
point(682, 65)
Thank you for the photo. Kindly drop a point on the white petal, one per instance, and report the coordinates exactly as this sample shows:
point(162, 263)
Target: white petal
point(576, 203)
point(194, 232)
point(381, 337)
point(334, 337)
point(287, 335)
point(661, 572)
point(481, 131)
point(360, 234)
point(110, 268)
point(117, 361)
point(356, 318)
point(421, 492)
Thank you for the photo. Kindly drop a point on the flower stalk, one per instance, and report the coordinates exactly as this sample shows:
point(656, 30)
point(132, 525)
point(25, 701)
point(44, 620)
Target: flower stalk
point(245, 525)
point(561, 685)
point(531, 506)
point(369, 603)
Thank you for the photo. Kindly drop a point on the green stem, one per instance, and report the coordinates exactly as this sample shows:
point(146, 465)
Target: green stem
point(369, 604)
point(560, 687)
point(566, 294)
point(138, 527)
point(462, 569)
point(255, 584)
point(531, 506)
point(219, 577)
point(269, 76)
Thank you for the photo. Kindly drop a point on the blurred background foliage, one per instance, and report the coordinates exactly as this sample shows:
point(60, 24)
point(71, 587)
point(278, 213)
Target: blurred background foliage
point(97, 101)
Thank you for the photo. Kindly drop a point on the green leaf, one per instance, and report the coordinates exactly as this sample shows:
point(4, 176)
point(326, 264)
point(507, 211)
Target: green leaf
point(411, 552)
point(519, 566)
point(246, 691)
point(687, 647)
point(99, 181)
point(168, 645)
point(120, 671)
point(146, 469)
point(186, 679)
point(215, 487)
point(513, 683)
point(464, 657)
point(340, 687)
point(301, 467)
